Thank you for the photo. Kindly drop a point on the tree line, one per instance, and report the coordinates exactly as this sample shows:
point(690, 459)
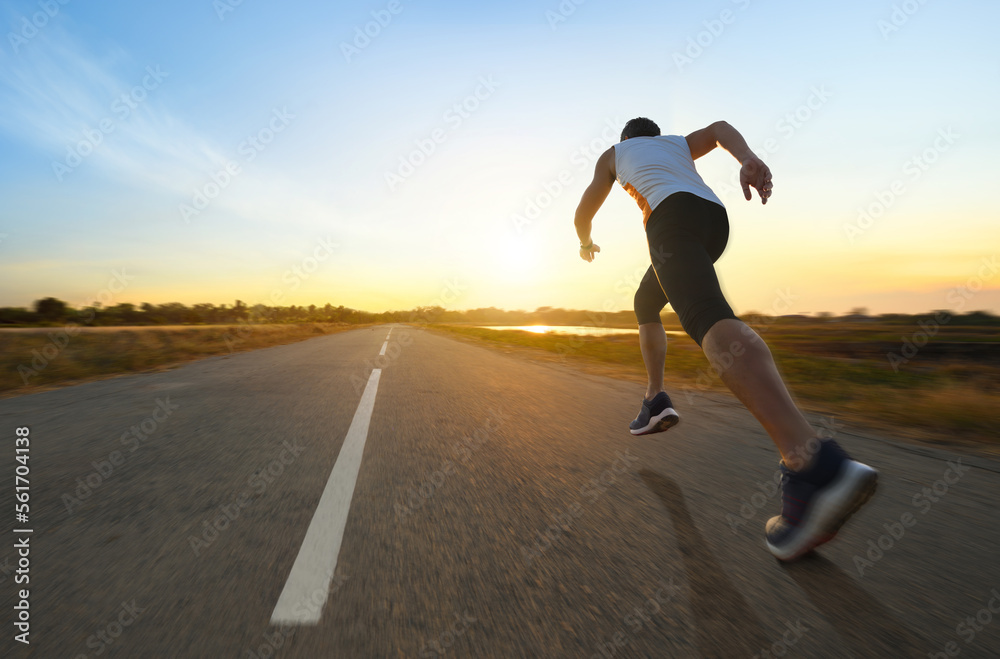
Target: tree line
point(51, 311)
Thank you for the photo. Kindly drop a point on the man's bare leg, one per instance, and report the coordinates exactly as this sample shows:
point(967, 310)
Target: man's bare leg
point(653, 344)
point(746, 366)
point(821, 491)
point(655, 415)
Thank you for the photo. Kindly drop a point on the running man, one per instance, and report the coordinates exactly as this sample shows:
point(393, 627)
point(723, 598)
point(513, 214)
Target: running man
point(687, 229)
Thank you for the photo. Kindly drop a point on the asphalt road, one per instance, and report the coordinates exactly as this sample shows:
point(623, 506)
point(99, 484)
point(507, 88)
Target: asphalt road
point(501, 509)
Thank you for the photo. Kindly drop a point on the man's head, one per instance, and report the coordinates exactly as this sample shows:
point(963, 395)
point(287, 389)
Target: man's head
point(640, 127)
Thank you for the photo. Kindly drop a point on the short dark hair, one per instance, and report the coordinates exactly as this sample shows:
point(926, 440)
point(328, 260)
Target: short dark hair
point(640, 127)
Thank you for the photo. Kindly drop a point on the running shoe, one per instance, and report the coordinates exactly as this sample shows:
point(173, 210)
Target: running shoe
point(655, 415)
point(817, 501)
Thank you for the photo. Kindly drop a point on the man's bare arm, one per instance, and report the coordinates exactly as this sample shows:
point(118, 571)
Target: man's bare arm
point(753, 173)
point(721, 134)
point(593, 198)
point(704, 140)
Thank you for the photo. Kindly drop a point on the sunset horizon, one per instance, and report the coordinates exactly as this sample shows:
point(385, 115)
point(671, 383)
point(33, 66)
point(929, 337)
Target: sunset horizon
point(121, 153)
point(539, 328)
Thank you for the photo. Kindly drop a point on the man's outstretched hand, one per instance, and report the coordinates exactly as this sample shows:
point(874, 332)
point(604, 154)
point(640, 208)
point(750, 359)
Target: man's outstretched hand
point(588, 253)
point(755, 174)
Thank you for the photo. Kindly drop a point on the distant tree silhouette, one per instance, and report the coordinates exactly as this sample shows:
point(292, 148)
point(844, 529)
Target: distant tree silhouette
point(50, 309)
point(17, 316)
point(979, 318)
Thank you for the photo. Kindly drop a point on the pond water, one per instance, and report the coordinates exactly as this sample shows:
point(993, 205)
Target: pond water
point(581, 330)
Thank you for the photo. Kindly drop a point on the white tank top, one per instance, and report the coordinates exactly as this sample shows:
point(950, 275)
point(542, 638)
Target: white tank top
point(653, 168)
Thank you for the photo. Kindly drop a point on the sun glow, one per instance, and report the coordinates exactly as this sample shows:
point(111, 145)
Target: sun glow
point(517, 260)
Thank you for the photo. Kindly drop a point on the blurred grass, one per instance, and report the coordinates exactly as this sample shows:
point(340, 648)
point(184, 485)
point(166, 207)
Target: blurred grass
point(830, 369)
point(958, 398)
point(95, 353)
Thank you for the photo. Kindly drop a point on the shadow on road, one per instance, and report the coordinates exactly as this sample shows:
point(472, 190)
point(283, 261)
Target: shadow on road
point(859, 618)
point(725, 624)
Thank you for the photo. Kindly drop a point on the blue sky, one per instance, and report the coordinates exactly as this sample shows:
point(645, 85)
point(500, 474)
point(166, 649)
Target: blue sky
point(512, 105)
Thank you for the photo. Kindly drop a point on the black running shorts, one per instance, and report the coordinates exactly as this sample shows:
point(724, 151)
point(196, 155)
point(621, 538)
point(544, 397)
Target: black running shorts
point(686, 236)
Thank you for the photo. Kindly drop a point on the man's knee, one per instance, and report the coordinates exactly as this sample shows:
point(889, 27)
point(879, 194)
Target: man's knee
point(699, 324)
point(646, 309)
point(647, 318)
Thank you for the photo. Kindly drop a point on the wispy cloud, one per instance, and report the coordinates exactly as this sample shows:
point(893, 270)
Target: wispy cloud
point(56, 94)
point(104, 110)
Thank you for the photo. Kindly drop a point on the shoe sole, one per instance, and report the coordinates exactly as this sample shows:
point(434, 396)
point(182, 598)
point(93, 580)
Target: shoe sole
point(831, 509)
point(665, 420)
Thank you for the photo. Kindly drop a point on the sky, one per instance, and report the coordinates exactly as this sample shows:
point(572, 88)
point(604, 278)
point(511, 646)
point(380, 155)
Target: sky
point(398, 154)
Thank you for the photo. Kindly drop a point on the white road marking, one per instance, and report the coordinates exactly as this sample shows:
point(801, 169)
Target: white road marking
point(317, 560)
point(386, 344)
